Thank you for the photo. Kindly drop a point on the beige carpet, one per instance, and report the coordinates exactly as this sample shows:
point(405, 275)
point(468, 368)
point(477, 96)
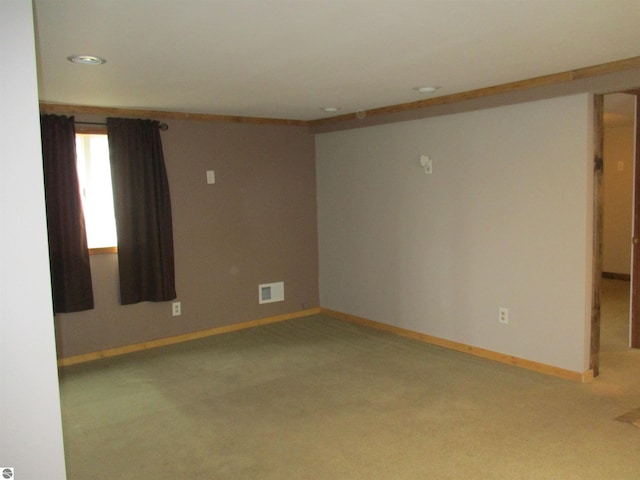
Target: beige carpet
point(317, 398)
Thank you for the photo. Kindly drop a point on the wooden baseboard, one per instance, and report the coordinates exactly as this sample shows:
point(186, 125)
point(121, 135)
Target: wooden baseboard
point(112, 352)
point(584, 377)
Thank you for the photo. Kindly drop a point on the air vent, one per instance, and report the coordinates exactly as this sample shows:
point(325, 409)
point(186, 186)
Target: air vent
point(271, 292)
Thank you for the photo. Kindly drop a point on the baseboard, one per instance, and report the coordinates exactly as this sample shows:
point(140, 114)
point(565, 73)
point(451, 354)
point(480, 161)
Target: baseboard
point(112, 352)
point(617, 276)
point(584, 377)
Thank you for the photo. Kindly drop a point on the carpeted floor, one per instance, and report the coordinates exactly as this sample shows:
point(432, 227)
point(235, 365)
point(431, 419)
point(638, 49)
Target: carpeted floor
point(317, 398)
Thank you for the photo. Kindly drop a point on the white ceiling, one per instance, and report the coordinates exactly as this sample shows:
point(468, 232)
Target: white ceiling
point(290, 58)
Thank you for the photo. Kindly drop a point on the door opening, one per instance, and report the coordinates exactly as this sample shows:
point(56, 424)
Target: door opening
point(616, 220)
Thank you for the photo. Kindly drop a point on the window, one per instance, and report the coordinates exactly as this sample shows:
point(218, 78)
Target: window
point(94, 176)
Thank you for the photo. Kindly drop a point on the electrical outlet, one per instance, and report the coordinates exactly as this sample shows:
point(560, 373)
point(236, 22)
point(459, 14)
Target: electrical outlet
point(176, 309)
point(503, 315)
point(427, 164)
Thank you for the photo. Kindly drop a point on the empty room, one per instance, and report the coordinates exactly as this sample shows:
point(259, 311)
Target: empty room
point(348, 239)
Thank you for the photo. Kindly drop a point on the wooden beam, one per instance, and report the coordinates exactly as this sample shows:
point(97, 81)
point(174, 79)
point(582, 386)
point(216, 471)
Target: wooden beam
point(520, 85)
point(64, 109)
point(545, 80)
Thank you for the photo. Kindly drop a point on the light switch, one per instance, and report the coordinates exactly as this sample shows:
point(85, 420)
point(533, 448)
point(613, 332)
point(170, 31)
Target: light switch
point(211, 177)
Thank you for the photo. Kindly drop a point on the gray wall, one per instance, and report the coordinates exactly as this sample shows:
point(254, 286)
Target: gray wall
point(30, 426)
point(505, 220)
point(256, 224)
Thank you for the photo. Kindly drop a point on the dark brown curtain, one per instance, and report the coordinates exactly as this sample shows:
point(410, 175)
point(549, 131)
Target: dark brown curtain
point(68, 252)
point(143, 211)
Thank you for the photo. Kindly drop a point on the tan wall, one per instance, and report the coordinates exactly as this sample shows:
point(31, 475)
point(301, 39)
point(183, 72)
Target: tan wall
point(505, 220)
point(257, 224)
point(618, 199)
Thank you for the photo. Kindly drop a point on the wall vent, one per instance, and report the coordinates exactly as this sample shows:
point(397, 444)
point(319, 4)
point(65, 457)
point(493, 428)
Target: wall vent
point(271, 292)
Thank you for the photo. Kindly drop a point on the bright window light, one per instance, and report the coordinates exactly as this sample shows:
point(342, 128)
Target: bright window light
point(94, 176)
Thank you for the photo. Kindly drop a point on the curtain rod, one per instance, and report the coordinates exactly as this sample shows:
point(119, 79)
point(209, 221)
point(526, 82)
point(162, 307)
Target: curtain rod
point(162, 126)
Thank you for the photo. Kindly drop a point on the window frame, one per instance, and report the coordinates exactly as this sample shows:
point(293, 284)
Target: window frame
point(86, 129)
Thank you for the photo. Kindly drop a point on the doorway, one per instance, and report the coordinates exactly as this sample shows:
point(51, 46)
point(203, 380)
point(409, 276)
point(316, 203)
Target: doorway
point(616, 274)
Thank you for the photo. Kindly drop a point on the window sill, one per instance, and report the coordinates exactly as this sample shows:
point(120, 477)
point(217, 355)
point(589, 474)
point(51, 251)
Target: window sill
point(100, 251)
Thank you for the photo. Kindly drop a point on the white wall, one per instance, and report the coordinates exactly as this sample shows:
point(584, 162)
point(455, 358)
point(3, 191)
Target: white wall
point(505, 220)
point(618, 199)
point(30, 426)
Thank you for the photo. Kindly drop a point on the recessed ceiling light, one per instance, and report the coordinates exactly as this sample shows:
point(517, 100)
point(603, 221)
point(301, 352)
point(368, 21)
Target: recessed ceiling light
point(331, 109)
point(86, 59)
point(426, 89)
